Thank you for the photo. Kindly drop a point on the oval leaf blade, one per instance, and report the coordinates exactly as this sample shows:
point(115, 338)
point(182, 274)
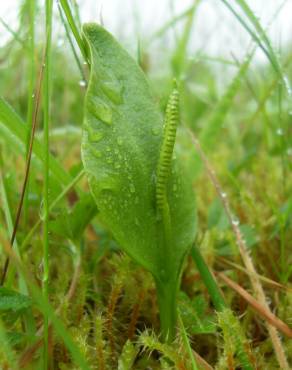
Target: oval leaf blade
point(122, 136)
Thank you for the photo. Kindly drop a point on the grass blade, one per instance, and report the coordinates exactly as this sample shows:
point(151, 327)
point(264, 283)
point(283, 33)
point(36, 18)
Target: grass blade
point(47, 86)
point(74, 29)
point(14, 130)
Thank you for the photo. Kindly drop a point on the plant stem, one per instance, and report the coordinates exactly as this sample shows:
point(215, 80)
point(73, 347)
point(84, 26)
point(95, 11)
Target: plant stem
point(221, 306)
point(73, 27)
point(71, 43)
point(208, 280)
point(31, 95)
point(187, 344)
point(46, 107)
point(166, 295)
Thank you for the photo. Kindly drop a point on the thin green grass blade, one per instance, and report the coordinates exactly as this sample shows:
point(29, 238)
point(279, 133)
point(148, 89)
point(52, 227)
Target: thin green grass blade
point(169, 24)
point(47, 310)
point(208, 279)
point(47, 87)
point(67, 10)
point(28, 318)
point(179, 57)
point(6, 352)
point(31, 72)
point(14, 130)
point(78, 62)
point(12, 32)
point(9, 223)
point(53, 204)
point(260, 37)
point(214, 125)
point(262, 34)
point(187, 344)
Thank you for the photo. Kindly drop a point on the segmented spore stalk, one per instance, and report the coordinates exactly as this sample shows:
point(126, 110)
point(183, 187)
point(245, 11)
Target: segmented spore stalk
point(165, 158)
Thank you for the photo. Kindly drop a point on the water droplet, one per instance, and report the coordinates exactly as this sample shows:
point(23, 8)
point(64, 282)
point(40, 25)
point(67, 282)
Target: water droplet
point(279, 132)
point(163, 274)
point(44, 64)
point(132, 188)
point(155, 131)
point(33, 95)
point(60, 42)
point(112, 90)
point(94, 135)
point(82, 83)
point(223, 195)
point(100, 110)
point(110, 84)
point(96, 153)
point(42, 211)
point(287, 85)
point(235, 222)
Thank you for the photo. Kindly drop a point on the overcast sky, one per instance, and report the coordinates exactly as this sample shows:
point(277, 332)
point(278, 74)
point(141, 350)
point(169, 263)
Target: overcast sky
point(215, 30)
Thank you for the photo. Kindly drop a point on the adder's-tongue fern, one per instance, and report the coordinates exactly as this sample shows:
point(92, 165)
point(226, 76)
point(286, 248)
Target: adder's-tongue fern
point(165, 158)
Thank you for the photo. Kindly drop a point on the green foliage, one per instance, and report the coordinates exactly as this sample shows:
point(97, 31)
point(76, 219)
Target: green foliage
point(13, 301)
point(72, 223)
point(127, 357)
point(102, 306)
point(14, 130)
point(235, 345)
point(122, 139)
point(194, 315)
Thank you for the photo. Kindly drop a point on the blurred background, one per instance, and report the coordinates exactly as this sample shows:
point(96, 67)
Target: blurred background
point(235, 96)
point(216, 31)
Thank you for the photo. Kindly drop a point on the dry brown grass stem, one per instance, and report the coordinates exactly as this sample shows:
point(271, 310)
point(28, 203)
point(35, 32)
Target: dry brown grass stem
point(267, 315)
point(246, 258)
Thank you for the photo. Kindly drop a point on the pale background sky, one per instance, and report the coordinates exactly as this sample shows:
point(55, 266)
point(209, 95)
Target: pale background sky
point(215, 30)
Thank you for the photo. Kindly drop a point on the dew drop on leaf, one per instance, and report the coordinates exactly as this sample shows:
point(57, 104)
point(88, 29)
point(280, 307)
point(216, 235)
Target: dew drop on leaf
point(82, 83)
point(100, 110)
point(120, 141)
point(112, 90)
point(96, 153)
point(235, 222)
point(155, 131)
point(94, 135)
point(132, 188)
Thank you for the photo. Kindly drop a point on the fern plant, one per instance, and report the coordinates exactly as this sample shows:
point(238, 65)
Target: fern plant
point(141, 189)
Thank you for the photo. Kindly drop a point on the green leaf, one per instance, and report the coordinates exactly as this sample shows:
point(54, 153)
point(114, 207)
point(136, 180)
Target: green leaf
point(127, 357)
point(72, 224)
point(13, 301)
point(194, 315)
point(15, 132)
point(122, 138)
